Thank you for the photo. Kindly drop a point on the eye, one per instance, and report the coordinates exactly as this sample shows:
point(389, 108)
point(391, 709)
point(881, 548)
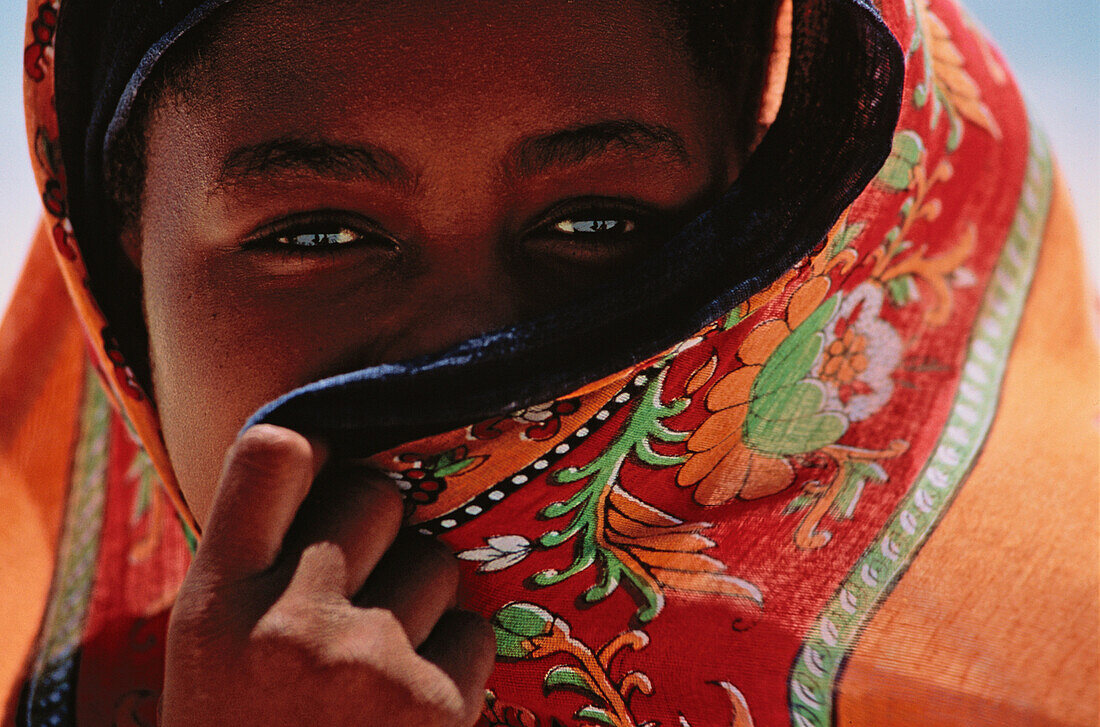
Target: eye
point(319, 233)
point(595, 226)
point(343, 236)
point(598, 234)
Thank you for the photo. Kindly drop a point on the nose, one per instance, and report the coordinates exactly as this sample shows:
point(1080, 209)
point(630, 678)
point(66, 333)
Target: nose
point(464, 286)
point(475, 287)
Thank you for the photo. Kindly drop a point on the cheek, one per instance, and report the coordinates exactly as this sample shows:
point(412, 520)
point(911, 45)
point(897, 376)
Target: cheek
point(217, 354)
point(228, 334)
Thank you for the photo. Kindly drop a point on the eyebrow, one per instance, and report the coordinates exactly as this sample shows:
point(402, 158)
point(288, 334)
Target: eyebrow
point(579, 143)
point(294, 155)
point(529, 156)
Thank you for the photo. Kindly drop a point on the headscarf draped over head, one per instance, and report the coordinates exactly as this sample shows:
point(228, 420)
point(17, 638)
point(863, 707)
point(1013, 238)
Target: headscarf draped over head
point(683, 507)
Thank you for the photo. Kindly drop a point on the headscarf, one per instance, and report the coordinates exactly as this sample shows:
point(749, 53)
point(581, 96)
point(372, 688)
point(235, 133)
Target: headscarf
point(693, 522)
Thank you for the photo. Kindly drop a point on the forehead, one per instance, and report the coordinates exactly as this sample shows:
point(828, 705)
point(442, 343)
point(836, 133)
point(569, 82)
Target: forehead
point(290, 61)
point(447, 85)
point(464, 35)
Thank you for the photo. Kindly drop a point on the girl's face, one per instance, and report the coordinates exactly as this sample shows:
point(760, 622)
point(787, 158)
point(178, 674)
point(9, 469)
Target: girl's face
point(355, 183)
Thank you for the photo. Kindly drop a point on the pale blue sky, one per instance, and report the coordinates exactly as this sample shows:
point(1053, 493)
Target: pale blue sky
point(1053, 48)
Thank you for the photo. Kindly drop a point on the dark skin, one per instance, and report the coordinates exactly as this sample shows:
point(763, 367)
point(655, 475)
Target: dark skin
point(358, 184)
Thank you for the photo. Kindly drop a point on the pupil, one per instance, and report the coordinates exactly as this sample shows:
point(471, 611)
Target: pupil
point(594, 225)
point(319, 239)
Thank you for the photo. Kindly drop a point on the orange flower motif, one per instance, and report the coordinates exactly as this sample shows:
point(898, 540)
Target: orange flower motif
point(845, 359)
point(720, 464)
point(860, 355)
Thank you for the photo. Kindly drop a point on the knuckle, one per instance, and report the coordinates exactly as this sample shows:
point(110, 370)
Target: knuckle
point(442, 564)
point(323, 561)
point(429, 696)
point(290, 620)
point(387, 500)
point(301, 637)
point(205, 605)
point(269, 451)
point(384, 627)
point(310, 641)
point(369, 490)
point(476, 632)
point(278, 628)
point(442, 704)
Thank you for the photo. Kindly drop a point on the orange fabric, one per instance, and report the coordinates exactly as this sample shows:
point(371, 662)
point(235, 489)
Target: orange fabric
point(39, 404)
point(996, 621)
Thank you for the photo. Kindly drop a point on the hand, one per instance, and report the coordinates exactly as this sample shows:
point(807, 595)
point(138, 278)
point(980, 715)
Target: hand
point(304, 606)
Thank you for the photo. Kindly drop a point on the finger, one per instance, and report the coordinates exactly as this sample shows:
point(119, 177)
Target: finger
point(267, 474)
point(417, 580)
point(463, 646)
point(343, 530)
